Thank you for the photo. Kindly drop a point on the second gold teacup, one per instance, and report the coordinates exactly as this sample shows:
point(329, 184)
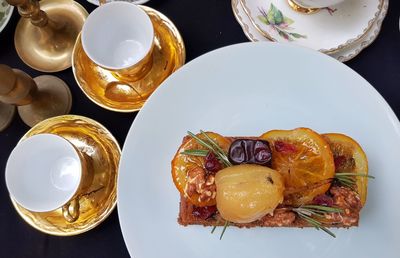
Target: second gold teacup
point(119, 36)
point(46, 172)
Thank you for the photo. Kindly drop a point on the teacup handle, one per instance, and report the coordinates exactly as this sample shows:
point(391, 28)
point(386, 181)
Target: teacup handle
point(71, 210)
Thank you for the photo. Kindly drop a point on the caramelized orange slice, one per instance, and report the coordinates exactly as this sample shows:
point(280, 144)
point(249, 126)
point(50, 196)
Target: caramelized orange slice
point(304, 159)
point(349, 158)
point(182, 164)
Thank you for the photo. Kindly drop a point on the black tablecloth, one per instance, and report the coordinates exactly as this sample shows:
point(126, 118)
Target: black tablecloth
point(205, 26)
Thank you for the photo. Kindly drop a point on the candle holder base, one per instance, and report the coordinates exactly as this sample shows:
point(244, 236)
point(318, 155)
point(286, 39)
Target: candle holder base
point(49, 48)
point(7, 112)
point(53, 99)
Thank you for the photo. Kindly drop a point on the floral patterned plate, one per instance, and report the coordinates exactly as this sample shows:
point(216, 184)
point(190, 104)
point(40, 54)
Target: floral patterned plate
point(5, 13)
point(329, 30)
point(343, 55)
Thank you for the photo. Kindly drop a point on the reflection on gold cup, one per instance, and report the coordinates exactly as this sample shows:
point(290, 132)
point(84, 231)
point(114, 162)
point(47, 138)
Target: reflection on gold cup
point(71, 210)
point(136, 71)
point(53, 174)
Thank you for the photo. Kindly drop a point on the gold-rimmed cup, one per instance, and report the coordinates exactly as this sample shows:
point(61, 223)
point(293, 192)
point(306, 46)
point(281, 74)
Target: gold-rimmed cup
point(311, 5)
point(119, 36)
point(46, 172)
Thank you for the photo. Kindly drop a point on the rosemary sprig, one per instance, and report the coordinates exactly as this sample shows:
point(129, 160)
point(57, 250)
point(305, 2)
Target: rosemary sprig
point(199, 153)
point(307, 212)
point(210, 144)
point(226, 225)
point(218, 148)
point(348, 179)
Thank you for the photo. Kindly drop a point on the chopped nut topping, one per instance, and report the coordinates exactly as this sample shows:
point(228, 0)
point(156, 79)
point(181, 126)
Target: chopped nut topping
point(280, 218)
point(200, 183)
point(347, 200)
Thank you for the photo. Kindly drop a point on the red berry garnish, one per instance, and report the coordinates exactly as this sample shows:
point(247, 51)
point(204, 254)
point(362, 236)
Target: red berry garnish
point(212, 164)
point(323, 200)
point(204, 212)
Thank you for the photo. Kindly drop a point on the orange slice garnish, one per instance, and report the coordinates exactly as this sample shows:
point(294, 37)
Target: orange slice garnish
point(349, 157)
point(304, 159)
point(183, 163)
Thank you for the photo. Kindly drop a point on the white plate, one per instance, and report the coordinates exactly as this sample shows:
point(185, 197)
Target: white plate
point(325, 31)
point(247, 89)
point(343, 55)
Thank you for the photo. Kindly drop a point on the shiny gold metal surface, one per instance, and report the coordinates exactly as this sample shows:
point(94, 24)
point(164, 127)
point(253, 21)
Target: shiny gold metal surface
point(37, 99)
point(113, 92)
point(137, 71)
point(7, 112)
point(102, 152)
point(301, 9)
point(45, 37)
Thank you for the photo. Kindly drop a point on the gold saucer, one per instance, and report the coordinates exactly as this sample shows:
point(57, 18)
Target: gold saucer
point(102, 149)
point(168, 55)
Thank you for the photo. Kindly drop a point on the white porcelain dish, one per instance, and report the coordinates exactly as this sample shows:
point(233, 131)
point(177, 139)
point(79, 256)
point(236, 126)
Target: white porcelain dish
point(328, 30)
point(247, 89)
point(343, 55)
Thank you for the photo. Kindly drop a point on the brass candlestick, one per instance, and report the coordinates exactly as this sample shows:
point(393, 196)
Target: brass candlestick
point(46, 33)
point(37, 99)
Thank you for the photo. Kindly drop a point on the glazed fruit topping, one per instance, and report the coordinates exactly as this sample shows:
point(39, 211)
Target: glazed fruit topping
point(248, 192)
point(204, 212)
point(247, 151)
point(323, 200)
point(284, 147)
point(212, 163)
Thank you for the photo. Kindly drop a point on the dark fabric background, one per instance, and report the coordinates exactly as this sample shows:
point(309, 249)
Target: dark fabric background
point(205, 26)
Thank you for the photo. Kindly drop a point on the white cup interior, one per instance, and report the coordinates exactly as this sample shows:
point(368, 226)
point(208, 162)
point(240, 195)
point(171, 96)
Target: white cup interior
point(43, 172)
point(117, 35)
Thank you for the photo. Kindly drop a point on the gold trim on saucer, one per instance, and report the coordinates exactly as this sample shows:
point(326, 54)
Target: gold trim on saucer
point(103, 86)
point(102, 152)
point(326, 51)
point(365, 42)
point(301, 9)
point(245, 27)
point(360, 45)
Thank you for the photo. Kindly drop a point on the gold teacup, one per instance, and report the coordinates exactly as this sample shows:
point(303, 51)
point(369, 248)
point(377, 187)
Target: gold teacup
point(46, 172)
point(119, 36)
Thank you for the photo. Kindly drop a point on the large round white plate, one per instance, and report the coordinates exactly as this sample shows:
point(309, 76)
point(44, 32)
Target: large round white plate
point(247, 89)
